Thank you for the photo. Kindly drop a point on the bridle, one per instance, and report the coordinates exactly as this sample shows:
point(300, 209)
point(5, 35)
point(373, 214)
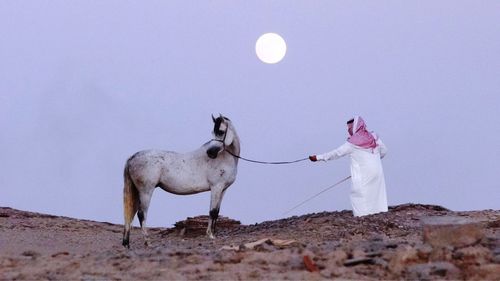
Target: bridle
point(223, 139)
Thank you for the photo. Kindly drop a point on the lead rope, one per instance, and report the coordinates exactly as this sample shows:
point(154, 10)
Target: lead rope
point(256, 161)
point(266, 162)
point(316, 195)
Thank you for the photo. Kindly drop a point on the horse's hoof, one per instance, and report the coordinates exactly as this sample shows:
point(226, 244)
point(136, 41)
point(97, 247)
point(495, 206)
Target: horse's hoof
point(126, 244)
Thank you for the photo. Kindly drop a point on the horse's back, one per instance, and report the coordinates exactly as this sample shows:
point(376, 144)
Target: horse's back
point(145, 167)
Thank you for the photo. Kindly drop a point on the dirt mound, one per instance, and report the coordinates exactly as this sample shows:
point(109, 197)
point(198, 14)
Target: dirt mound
point(197, 226)
point(399, 244)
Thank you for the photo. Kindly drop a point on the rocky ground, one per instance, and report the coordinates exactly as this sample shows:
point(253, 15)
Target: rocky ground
point(411, 241)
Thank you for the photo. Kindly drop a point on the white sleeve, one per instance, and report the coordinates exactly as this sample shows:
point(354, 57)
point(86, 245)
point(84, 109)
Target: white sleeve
point(383, 148)
point(342, 150)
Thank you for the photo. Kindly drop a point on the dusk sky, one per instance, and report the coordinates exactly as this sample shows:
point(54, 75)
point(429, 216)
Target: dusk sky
point(86, 84)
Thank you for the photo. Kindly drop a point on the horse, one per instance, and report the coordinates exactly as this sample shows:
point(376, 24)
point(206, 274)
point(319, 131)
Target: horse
point(212, 167)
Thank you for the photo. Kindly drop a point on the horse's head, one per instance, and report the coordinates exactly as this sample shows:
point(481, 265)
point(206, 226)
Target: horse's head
point(223, 136)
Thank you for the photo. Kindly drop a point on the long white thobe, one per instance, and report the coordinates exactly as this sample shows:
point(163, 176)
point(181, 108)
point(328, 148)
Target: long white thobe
point(368, 194)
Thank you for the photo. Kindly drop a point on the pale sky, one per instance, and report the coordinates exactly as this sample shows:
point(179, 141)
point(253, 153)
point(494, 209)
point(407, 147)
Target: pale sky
point(86, 84)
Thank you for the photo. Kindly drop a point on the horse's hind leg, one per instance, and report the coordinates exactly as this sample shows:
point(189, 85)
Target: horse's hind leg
point(215, 201)
point(130, 206)
point(145, 199)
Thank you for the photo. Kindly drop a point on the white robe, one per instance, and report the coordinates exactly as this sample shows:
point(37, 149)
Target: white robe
point(368, 195)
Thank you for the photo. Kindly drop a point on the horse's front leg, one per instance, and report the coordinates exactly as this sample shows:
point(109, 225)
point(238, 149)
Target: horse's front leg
point(216, 195)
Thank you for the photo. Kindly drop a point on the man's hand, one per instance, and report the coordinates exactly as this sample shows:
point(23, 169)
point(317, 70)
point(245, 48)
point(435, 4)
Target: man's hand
point(313, 158)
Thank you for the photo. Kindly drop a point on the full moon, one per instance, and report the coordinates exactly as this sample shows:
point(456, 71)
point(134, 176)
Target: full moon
point(270, 48)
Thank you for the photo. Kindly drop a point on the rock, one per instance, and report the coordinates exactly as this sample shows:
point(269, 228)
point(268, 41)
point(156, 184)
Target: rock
point(431, 271)
point(356, 261)
point(494, 224)
point(340, 271)
point(337, 257)
point(380, 261)
point(296, 262)
point(334, 270)
point(59, 254)
point(451, 231)
point(358, 253)
point(309, 264)
point(496, 255)
point(288, 258)
point(265, 244)
point(441, 254)
point(492, 242)
point(264, 247)
point(31, 254)
point(424, 251)
point(412, 206)
point(197, 226)
point(484, 272)
point(472, 255)
point(334, 264)
point(227, 257)
point(404, 256)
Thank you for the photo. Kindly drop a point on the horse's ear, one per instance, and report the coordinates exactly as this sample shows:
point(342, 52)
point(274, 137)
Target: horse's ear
point(213, 118)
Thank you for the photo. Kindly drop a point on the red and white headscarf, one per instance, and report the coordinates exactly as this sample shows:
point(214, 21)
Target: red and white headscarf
point(360, 136)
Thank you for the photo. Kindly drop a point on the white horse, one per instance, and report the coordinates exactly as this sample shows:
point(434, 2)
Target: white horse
point(209, 168)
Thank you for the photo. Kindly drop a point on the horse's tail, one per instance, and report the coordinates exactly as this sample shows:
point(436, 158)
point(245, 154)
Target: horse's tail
point(130, 204)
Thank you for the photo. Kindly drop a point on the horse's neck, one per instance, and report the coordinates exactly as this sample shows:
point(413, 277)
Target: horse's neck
point(235, 146)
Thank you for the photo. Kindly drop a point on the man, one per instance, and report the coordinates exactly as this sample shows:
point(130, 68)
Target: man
point(368, 195)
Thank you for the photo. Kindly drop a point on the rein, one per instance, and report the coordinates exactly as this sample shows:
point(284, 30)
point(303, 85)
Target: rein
point(256, 161)
point(265, 162)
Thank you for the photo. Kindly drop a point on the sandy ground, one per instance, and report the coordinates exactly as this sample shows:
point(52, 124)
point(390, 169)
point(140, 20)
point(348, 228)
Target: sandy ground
point(328, 245)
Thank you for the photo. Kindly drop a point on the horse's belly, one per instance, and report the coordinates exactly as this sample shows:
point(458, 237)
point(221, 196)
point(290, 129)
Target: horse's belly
point(184, 190)
point(183, 187)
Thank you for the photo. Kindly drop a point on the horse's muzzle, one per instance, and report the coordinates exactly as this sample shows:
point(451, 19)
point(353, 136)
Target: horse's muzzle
point(213, 151)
